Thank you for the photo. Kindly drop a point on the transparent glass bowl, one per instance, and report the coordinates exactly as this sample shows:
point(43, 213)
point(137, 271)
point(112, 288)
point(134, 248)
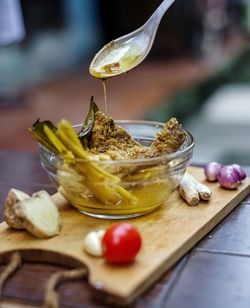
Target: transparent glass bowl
point(149, 181)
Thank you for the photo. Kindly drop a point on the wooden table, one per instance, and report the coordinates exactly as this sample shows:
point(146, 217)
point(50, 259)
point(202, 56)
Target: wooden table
point(215, 273)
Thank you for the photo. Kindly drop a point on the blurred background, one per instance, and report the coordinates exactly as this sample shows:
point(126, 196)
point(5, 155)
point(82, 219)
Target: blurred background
point(198, 69)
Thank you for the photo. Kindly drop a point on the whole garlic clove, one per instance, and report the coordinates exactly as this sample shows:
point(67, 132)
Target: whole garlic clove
point(92, 243)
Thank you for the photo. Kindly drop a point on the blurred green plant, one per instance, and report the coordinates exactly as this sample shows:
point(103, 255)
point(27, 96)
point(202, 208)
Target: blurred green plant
point(183, 104)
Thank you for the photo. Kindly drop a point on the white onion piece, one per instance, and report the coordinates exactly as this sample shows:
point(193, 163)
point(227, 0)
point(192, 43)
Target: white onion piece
point(240, 171)
point(211, 170)
point(228, 177)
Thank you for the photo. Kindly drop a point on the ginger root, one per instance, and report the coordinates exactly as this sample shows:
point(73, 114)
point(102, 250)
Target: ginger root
point(37, 214)
point(14, 196)
point(192, 191)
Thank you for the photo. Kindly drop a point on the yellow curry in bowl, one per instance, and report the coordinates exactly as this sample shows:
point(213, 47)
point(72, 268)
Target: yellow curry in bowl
point(114, 169)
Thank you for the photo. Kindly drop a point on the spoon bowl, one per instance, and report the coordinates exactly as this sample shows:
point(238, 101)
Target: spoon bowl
point(128, 51)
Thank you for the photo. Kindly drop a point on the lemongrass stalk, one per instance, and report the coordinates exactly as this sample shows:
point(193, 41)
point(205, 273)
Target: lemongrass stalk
point(94, 174)
point(66, 154)
point(97, 179)
point(65, 134)
point(66, 127)
point(145, 174)
point(126, 194)
point(43, 141)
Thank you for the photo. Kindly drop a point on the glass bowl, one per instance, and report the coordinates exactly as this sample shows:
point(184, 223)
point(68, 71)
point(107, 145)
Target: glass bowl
point(146, 185)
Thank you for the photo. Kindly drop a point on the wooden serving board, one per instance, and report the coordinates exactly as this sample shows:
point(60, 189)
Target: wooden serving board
point(167, 233)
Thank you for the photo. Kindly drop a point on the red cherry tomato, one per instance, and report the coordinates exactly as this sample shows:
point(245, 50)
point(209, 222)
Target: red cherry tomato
point(121, 243)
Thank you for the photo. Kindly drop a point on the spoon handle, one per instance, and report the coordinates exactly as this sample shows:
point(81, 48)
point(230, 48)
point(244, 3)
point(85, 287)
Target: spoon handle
point(160, 11)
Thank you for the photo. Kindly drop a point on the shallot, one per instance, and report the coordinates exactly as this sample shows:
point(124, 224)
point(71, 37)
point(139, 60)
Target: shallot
point(211, 171)
point(229, 177)
point(240, 171)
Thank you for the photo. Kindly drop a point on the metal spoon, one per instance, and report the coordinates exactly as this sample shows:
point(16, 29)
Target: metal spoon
point(126, 52)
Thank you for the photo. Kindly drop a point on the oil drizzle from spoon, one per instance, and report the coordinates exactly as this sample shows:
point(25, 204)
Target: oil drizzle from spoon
point(104, 84)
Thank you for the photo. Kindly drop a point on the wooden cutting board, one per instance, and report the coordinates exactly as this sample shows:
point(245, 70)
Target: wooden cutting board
point(167, 233)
